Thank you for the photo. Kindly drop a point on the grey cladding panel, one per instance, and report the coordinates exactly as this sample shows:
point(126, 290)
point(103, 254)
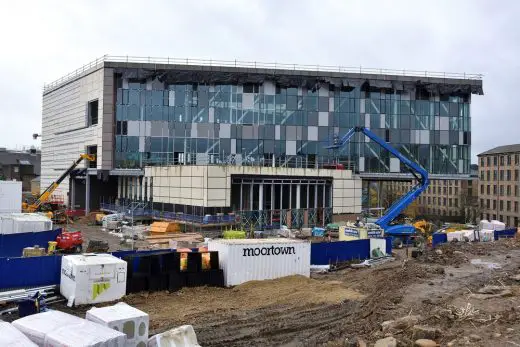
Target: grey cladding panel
point(269, 132)
point(133, 128)
point(312, 118)
point(291, 132)
point(323, 134)
point(247, 132)
point(225, 131)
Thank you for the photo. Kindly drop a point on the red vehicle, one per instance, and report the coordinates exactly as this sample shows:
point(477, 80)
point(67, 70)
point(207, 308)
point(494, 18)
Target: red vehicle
point(70, 241)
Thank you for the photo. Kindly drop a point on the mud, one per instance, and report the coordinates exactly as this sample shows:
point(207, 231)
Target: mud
point(331, 307)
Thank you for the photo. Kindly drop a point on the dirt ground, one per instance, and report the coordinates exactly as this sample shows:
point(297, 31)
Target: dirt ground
point(94, 232)
point(442, 287)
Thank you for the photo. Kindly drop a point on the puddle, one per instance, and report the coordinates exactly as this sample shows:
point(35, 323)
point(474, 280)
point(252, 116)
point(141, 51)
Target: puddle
point(486, 264)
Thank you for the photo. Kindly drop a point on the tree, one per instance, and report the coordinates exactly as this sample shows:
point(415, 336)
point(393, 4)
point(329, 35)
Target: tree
point(469, 207)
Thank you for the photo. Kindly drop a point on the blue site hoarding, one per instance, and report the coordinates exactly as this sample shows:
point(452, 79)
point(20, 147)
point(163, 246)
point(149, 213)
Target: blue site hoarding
point(12, 245)
point(16, 272)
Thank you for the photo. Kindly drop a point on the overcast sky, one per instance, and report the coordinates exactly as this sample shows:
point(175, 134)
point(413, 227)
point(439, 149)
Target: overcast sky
point(43, 40)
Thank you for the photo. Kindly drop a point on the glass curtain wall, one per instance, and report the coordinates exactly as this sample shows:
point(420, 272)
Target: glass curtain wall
point(195, 123)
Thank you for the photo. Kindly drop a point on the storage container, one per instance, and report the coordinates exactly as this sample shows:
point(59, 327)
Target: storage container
point(497, 225)
point(486, 235)
point(261, 259)
point(12, 337)
point(10, 197)
point(92, 278)
point(183, 336)
point(124, 318)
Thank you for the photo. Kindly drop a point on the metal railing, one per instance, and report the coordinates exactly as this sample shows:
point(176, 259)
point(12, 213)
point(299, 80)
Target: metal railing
point(256, 65)
point(288, 161)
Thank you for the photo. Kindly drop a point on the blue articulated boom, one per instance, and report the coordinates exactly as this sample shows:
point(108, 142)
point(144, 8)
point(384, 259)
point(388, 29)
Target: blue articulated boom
point(393, 211)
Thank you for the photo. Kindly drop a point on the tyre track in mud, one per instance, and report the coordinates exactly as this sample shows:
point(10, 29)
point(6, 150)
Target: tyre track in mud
point(279, 326)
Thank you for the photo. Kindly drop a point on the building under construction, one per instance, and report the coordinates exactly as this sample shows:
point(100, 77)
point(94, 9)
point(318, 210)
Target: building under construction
point(209, 141)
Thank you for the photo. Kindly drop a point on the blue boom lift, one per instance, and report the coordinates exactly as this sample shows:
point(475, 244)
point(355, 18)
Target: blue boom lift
point(400, 232)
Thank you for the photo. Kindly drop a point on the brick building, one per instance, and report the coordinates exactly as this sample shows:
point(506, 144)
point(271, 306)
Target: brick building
point(499, 178)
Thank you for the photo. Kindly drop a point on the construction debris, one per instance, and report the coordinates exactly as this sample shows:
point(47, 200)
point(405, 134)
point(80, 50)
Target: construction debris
point(184, 240)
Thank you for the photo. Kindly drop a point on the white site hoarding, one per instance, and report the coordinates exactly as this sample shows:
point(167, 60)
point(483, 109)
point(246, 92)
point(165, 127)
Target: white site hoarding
point(92, 278)
point(10, 197)
point(260, 259)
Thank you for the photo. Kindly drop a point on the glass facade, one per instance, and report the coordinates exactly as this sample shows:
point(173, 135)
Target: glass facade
point(248, 124)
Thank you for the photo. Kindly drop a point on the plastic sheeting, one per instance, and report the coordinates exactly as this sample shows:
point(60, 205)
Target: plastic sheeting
point(55, 328)
point(183, 336)
point(85, 334)
point(37, 326)
point(12, 337)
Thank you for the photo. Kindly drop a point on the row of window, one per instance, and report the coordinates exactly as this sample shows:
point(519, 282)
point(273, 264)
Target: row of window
point(234, 114)
point(443, 190)
point(446, 202)
point(486, 161)
point(503, 175)
point(487, 203)
point(439, 212)
point(508, 191)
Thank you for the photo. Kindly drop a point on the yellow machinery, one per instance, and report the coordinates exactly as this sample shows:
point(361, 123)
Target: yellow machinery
point(425, 228)
point(44, 197)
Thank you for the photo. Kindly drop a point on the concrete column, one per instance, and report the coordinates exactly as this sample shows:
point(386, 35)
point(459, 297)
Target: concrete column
point(298, 188)
point(251, 190)
point(316, 195)
point(136, 188)
point(87, 194)
point(290, 196)
point(119, 187)
point(273, 164)
point(72, 194)
point(272, 202)
point(308, 194)
point(261, 197)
